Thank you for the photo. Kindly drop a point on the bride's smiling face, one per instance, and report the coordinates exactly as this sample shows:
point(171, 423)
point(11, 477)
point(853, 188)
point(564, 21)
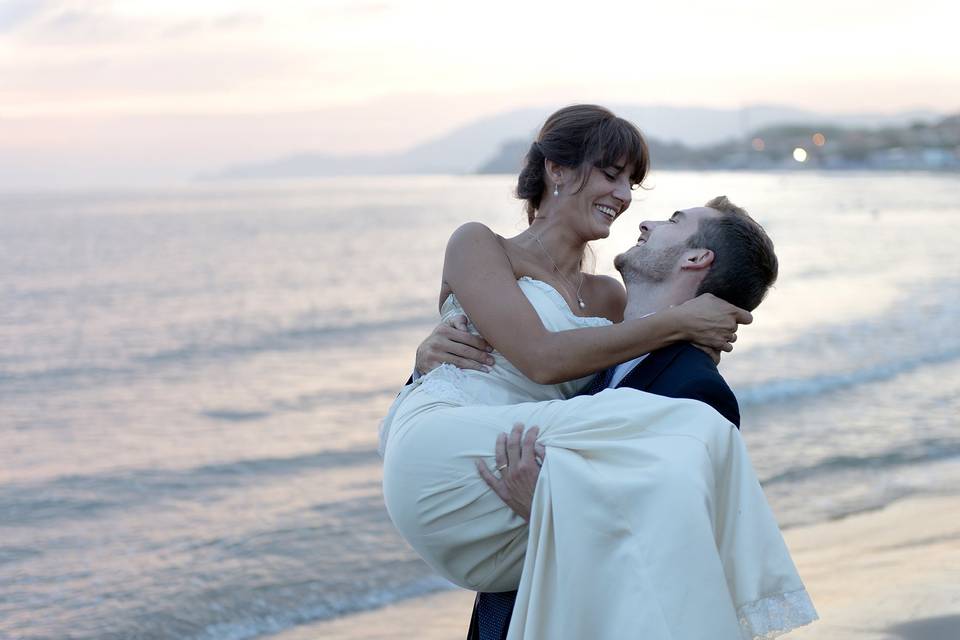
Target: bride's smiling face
point(606, 194)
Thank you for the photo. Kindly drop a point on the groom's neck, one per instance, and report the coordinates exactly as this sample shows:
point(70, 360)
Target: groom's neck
point(644, 298)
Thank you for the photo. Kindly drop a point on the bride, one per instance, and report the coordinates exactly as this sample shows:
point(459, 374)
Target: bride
point(587, 564)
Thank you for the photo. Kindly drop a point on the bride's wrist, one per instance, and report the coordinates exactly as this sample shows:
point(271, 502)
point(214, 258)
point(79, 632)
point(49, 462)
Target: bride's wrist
point(664, 328)
point(675, 324)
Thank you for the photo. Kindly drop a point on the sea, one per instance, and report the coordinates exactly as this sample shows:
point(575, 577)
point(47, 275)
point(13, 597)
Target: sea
point(191, 380)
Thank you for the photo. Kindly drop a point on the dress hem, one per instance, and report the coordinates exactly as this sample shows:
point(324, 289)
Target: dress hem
point(775, 615)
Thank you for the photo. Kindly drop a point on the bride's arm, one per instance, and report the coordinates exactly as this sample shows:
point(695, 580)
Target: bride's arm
point(479, 273)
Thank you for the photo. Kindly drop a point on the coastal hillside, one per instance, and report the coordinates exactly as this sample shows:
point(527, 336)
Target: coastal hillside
point(917, 146)
point(479, 145)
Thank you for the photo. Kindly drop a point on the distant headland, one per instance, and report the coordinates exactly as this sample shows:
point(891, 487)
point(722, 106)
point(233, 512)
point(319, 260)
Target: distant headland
point(756, 138)
point(919, 146)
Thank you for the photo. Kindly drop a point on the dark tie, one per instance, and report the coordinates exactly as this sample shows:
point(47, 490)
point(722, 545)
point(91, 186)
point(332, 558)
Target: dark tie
point(600, 382)
point(493, 615)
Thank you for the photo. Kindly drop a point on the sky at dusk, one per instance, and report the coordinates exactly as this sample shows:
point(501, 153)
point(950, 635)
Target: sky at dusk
point(372, 76)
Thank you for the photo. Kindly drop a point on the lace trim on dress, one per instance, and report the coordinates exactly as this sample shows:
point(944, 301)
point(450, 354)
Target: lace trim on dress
point(775, 615)
point(446, 383)
point(443, 383)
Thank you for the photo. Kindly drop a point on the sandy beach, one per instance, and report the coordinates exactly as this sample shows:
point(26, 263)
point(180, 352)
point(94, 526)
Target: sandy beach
point(892, 574)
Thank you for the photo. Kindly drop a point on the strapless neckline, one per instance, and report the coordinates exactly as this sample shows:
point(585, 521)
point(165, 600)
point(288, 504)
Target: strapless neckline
point(553, 294)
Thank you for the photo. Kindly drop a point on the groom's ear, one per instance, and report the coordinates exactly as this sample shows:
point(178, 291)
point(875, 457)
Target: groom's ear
point(697, 259)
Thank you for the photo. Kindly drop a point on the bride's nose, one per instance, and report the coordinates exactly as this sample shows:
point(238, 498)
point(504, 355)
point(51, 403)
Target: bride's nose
point(623, 192)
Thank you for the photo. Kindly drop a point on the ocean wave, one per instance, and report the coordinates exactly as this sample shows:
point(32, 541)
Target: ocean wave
point(789, 389)
point(86, 496)
point(920, 452)
point(291, 339)
point(235, 415)
point(57, 374)
point(17, 554)
point(302, 403)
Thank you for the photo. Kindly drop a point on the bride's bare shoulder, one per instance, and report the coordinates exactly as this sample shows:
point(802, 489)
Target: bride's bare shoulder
point(474, 251)
point(474, 239)
point(473, 232)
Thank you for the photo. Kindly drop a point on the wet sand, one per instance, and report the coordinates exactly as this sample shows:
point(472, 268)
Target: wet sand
point(892, 574)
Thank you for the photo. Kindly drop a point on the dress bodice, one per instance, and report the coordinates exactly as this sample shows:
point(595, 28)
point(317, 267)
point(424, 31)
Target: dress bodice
point(505, 383)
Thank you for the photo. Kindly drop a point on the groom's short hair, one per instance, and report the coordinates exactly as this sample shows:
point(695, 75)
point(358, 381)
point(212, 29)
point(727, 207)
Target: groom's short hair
point(744, 264)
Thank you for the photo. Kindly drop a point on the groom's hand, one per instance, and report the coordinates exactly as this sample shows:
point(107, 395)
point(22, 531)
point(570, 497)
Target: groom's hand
point(713, 353)
point(518, 459)
point(451, 343)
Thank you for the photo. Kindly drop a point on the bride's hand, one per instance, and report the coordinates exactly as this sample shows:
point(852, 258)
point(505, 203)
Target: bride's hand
point(711, 322)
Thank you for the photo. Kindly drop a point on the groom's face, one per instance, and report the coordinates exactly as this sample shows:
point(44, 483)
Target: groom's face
point(662, 245)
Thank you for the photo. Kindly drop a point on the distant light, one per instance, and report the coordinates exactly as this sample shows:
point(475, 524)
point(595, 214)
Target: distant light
point(758, 144)
point(800, 154)
point(819, 139)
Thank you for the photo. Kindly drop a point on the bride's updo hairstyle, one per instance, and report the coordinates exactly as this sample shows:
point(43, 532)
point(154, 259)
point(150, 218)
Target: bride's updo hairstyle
point(581, 137)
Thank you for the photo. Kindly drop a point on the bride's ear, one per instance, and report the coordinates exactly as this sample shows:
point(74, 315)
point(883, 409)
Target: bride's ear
point(696, 259)
point(553, 172)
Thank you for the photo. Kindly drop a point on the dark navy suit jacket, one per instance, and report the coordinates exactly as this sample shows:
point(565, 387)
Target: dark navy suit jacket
point(678, 371)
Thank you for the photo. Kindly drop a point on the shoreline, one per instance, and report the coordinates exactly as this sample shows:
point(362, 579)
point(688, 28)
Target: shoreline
point(886, 574)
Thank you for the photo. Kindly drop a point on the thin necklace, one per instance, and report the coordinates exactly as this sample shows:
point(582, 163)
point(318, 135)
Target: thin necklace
point(580, 302)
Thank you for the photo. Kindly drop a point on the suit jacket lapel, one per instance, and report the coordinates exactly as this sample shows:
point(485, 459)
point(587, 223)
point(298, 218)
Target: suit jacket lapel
point(647, 371)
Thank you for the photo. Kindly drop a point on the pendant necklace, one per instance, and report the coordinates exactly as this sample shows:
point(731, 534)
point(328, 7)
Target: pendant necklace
point(580, 302)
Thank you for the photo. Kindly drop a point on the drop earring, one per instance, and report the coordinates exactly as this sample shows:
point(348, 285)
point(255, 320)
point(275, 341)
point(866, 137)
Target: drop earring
point(556, 189)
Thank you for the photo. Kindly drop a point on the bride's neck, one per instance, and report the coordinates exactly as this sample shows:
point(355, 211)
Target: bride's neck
point(561, 245)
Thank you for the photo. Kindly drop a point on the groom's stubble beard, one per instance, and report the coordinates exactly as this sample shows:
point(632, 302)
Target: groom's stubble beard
point(655, 266)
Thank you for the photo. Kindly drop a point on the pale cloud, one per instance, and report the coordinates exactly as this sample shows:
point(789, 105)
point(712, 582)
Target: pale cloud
point(233, 23)
point(174, 77)
point(15, 13)
point(83, 27)
point(218, 54)
point(386, 74)
point(96, 23)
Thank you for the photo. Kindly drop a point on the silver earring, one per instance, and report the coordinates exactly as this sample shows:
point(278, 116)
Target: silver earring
point(556, 189)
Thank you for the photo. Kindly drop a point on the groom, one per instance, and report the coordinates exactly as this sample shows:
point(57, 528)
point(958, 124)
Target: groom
point(716, 249)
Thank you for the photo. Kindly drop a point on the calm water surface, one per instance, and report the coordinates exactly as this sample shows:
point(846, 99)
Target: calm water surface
point(191, 380)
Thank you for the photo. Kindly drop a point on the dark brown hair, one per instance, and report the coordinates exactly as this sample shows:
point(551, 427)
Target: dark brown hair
point(744, 263)
point(581, 136)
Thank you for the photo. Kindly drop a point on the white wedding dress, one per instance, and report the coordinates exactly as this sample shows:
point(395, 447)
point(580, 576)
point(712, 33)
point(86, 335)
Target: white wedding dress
point(648, 520)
